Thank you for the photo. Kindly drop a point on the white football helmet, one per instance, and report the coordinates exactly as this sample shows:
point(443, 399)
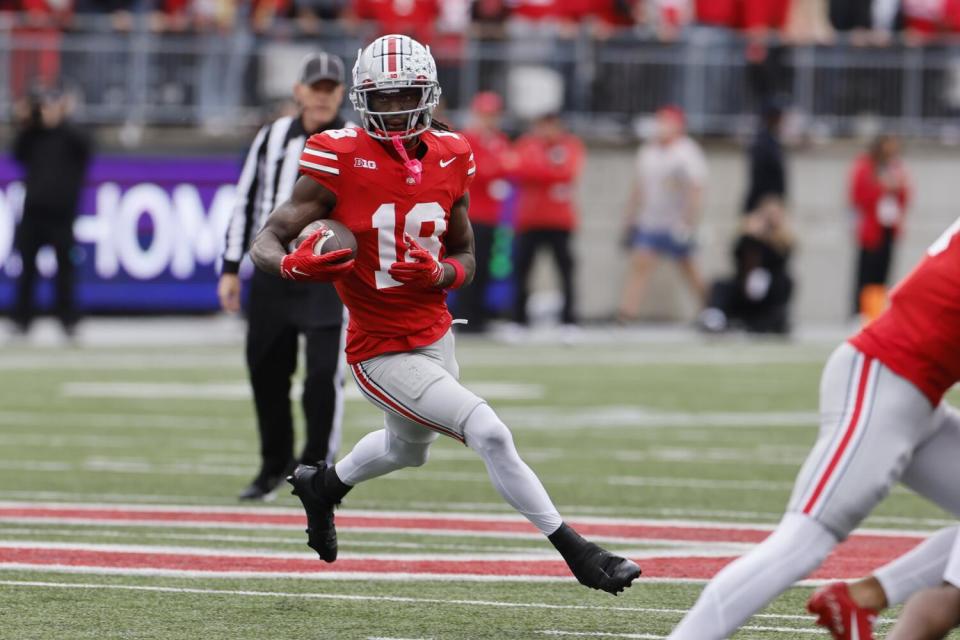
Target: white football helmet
point(391, 63)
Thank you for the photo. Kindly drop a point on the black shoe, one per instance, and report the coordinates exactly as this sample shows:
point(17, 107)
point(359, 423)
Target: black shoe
point(592, 565)
point(321, 532)
point(264, 486)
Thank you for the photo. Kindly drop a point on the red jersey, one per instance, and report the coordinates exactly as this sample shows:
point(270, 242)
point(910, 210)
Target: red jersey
point(918, 337)
point(720, 13)
point(545, 9)
point(877, 208)
point(547, 176)
point(378, 204)
point(489, 189)
point(414, 17)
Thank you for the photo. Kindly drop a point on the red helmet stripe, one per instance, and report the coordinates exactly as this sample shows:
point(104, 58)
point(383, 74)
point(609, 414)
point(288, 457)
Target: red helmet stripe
point(391, 58)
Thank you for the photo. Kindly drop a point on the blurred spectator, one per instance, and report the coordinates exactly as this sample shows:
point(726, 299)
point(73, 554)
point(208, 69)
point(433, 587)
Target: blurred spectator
point(716, 13)
point(546, 165)
point(867, 21)
point(489, 16)
point(809, 22)
point(54, 156)
point(767, 166)
point(487, 193)
point(879, 196)
point(671, 174)
point(757, 297)
point(310, 14)
point(606, 16)
point(120, 12)
point(39, 63)
point(925, 19)
point(416, 18)
point(543, 18)
point(764, 22)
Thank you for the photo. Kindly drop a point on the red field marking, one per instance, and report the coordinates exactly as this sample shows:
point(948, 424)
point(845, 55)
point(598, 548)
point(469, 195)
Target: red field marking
point(843, 563)
point(348, 521)
point(859, 555)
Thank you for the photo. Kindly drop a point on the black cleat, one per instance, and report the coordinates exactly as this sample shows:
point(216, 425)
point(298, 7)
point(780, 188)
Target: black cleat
point(264, 486)
point(321, 532)
point(592, 565)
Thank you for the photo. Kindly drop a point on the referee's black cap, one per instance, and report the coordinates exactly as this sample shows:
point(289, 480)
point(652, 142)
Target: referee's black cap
point(321, 66)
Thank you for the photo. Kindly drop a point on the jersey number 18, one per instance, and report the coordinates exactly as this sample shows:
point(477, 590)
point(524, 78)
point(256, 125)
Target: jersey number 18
point(415, 223)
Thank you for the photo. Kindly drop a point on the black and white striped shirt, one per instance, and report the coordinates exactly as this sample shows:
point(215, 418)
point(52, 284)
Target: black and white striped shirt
point(269, 174)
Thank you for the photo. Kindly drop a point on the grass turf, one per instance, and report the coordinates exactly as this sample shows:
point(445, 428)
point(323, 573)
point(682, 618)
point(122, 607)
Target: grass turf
point(645, 431)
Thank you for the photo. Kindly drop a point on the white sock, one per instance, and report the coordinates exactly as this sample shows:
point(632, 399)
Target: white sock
point(512, 478)
point(797, 547)
point(380, 452)
point(920, 568)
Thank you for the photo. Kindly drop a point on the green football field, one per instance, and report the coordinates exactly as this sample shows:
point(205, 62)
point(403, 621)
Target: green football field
point(119, 468)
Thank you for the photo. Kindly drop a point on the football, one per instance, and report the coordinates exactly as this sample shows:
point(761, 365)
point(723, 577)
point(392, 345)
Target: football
point(335, 236)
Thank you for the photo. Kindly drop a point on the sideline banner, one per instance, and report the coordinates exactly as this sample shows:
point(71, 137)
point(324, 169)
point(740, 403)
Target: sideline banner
point(149, 233)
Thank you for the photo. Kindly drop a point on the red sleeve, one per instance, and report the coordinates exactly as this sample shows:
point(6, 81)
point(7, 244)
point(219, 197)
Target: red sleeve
point(321, 161)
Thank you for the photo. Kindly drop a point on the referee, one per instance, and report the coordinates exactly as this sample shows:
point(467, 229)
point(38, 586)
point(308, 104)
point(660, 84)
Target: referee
point(280, 311)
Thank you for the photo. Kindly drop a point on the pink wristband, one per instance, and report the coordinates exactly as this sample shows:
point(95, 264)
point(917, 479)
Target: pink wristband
point(459, 273)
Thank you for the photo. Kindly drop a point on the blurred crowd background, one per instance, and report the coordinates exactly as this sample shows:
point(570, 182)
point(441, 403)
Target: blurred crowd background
point(220, 63)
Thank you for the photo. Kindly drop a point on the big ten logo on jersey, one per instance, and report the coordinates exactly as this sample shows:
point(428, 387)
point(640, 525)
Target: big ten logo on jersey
point(425, 221)
point(945, 239)
point(363, 163)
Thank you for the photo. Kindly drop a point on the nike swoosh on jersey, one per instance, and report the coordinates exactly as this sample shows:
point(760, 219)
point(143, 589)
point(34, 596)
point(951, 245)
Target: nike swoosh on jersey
point(298, 272)
point(447, 163)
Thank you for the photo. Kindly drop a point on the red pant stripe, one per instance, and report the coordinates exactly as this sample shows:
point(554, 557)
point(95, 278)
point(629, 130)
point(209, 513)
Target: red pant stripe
point(847, 436)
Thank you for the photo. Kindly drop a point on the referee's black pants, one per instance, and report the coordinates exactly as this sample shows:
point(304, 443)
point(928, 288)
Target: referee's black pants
point(279, 313)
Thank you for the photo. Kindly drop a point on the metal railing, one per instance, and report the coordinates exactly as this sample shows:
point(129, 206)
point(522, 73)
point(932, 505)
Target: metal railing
point(225, 80)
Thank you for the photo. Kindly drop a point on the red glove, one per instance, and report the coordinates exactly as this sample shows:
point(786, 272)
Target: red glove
point(304, 265)
point(425, 272)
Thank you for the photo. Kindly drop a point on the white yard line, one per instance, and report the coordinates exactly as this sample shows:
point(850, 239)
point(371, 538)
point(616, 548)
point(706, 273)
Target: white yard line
point(298, 540)
point(369, 598)
point(240, 390)
point(718, 549)
point(551, 418)
point(146, 420)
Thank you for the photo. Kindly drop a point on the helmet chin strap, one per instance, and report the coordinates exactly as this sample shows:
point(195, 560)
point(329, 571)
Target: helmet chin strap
point(414, 167)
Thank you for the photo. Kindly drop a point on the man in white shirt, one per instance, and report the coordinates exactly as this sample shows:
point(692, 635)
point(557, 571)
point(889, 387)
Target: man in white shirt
point(663, 210)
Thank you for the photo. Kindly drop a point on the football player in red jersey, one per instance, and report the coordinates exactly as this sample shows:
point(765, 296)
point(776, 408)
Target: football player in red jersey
point(883, 420)
point(400, 185)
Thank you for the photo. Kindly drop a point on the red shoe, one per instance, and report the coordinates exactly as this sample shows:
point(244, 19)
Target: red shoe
point(836, 610)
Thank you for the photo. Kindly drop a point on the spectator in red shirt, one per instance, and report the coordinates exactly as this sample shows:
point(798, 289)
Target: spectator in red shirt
point(37, 66)
point(487, 193)
point(548, 162)
point(415, 18)
point(926, 19)
point(716, 13)
point(879, 195)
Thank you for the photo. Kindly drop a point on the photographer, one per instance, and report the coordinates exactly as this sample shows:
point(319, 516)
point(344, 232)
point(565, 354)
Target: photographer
point(757, 297)
point(54, 156)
